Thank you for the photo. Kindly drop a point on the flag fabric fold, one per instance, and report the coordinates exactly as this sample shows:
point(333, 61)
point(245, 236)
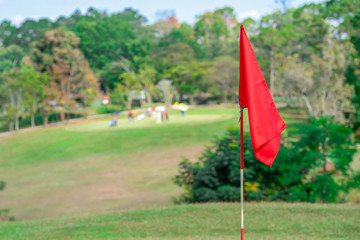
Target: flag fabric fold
point(265, 122)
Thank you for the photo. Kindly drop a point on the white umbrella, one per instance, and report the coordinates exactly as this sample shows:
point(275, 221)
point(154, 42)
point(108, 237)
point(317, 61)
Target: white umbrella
point(140, 117)
point(160, 109)
point(182, 107)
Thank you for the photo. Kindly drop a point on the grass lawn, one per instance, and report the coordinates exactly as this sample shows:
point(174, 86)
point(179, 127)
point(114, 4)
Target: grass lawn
point(90, 167)
point(88, 181)
point(207, 221)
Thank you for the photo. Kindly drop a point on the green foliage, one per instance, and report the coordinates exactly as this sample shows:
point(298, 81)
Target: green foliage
point(109, 109)
point(315, 168)
point(110, 37)
point(309, 53)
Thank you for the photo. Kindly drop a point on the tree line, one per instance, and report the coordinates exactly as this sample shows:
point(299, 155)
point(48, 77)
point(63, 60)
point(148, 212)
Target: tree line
point(309, 56)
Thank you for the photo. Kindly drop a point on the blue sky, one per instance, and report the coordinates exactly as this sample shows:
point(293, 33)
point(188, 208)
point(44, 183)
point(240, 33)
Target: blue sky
point(186, 10)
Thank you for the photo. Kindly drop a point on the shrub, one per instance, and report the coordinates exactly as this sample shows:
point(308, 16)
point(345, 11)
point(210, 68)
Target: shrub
point(315, 168)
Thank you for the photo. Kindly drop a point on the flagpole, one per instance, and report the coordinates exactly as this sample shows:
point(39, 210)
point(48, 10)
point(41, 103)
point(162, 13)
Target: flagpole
point(242, 171)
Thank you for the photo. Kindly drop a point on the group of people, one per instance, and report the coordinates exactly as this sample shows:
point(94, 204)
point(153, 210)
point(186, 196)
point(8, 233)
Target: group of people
point(161, 114)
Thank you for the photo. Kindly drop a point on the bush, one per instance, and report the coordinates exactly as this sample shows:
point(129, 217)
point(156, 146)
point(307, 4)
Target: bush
point(104, 109)
point(316, 168)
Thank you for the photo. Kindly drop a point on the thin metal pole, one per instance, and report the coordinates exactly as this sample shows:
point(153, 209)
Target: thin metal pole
point(242, 172)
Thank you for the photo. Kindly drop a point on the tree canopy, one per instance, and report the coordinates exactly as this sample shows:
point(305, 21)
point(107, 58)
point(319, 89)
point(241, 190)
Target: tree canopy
point(309, 56)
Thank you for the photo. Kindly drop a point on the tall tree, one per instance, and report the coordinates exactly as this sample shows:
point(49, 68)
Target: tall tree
point(71, 79)
point(216, 31)
point(33, 83)
point(225, 75)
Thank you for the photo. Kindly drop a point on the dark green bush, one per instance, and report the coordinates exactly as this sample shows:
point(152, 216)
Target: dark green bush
point(314, 168)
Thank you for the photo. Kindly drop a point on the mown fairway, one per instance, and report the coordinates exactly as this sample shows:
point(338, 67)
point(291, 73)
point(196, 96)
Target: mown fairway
point(265, 221)
point(90, 167)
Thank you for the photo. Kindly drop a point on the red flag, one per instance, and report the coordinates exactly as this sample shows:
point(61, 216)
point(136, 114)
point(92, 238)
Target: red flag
point(265, 122)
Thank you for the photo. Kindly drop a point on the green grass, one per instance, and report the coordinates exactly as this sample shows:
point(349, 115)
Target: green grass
point(90, 167)
point(206, 221)
point(89, 181)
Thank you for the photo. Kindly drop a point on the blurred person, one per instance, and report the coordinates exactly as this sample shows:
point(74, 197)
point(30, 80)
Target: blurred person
point(148, 112)
point(153, 110)
point(183, 108)
point(167, 115)
point(131, 115)
point(158, 117)
point(115, 120)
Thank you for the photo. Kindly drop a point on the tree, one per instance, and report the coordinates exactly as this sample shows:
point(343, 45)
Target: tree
point(167, 91)
point(10, 60)
point(10, 57)
point(13, 89)
point(321, 82)
point(33, 84)
point(275, 34)
point(147, 77)
point(8, 34)
point(182, 34)
point(225, 75)
point(110, 38)
point(346, 18)
point(216, 31)
point(71, 79)
point(22, 89)
point(173, 55)
point(190, 78)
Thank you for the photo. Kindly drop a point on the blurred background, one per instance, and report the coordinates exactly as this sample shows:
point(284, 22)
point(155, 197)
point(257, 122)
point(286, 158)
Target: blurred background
point(109, 106)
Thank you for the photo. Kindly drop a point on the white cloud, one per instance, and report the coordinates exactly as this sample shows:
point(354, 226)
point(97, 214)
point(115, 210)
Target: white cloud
point(17, 19)
point(252, 14)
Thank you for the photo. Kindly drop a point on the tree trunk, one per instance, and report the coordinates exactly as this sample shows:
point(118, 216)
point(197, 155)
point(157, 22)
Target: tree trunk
point(225, 99)
point(142, 103)
point(11, 125)
point(148, 98)
point(130, 102)
point(234, 98)
point(46, 120)
point(17, 122)
point(85, 112)
point(326, 151)
point(62, 116)
point(181, 97)
point(32, 119)
point(192, 102)
point(272, 72)
point(308, 105)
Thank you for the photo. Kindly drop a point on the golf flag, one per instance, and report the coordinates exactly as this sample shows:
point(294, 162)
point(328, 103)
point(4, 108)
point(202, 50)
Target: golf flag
point(265, 122)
